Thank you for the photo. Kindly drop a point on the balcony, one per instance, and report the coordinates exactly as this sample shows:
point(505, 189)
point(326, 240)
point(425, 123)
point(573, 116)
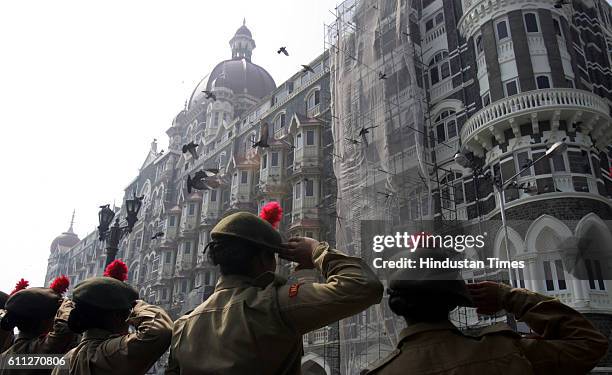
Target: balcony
point(434, 34)
point(552, 105)
point(478, 12)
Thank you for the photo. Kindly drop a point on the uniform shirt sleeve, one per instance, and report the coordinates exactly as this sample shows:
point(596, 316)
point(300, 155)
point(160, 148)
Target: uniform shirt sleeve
point(61, 338)
point(350, 287)
point(142, 348)
point(568, 342)
point(173, 367)
point(6, 337)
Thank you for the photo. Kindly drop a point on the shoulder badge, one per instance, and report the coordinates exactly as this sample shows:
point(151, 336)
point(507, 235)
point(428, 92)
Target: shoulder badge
point(293, 290)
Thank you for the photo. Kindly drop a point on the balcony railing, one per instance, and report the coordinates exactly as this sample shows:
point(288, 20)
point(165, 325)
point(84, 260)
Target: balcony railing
point(536, 100)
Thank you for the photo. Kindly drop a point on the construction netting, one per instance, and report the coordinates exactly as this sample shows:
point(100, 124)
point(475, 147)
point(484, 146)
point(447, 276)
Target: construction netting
point(380, 153)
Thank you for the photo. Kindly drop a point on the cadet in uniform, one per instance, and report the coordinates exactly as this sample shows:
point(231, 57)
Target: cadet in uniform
point(253, 322)
point(6, 337)
point(105, 307)
point(41, 315)
point(566, 343)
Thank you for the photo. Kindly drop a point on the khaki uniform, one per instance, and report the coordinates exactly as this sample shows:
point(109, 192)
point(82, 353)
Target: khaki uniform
point(6, 337)
point(255, 326)
point(6, 340)
point(101, 352)
point(58, 341)
point(568, 344)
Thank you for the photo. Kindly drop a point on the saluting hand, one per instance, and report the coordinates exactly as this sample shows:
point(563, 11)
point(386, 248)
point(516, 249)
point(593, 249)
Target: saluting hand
point(299, 250)
point(486, 296)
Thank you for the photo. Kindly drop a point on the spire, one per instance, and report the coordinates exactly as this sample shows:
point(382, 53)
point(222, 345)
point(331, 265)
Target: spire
point(242, 43)
point(70, 230)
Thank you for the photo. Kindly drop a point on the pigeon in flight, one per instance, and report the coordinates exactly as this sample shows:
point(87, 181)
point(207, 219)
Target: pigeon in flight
point(283, 50)
point(157, 235)
point(352, 141)
point(307, 68)
point(210, 95)
point(191, 147)
point(382, 75)
point(201, 180)
point(263, 138)
point(287, 143)
point(364, 131)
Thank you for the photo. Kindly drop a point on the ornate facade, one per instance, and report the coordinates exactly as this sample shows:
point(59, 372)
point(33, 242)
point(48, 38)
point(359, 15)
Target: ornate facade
point(295, 170)
point(500, 81)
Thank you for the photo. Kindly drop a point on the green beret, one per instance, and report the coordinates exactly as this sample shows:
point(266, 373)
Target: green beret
point(33, 303)
point(105, 293)
point(247, 226)
point(3, 298)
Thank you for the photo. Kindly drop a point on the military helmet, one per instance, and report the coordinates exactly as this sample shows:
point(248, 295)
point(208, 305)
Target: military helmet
point(249, 227)
point(105, 293)
point(424, 283)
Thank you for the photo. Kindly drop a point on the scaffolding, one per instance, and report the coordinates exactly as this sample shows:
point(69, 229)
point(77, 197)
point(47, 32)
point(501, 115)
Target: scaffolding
point(382, 134)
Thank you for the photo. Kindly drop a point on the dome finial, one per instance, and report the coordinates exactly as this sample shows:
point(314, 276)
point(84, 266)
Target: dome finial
point(242, 43)
point(70, 230)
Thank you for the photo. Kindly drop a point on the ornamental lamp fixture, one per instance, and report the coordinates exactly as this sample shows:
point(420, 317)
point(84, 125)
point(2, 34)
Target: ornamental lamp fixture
point(132, 206)
point(462, 160)
point(556, 149)
point(105, 217)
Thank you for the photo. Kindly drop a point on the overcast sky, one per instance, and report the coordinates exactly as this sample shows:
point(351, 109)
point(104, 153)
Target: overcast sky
point(85, 87)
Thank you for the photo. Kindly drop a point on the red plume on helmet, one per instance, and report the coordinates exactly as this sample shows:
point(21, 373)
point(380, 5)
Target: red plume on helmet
point(272, 213)
point(117, 270)
point(22, 284)
point(60, 284)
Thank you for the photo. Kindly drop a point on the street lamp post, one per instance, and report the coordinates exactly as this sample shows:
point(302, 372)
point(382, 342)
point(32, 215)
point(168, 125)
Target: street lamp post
point(112, 235)
point(500, 186)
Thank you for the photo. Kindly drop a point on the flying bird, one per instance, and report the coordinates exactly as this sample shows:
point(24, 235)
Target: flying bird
point(191, 148)
point(210, 95)
point(287, 143)
point(157, 235)
point(283, 50)
point(263, 138)
point(382, 75)
point(352, 141)
point(307, 68)
point(387, 195)
point(365, 131)
point(202, 180)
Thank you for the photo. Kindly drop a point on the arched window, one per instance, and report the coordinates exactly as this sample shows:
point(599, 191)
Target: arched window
point(445, 126)
point(439, 68)
point(543, 82)
point(313, 99)
point(531, 23)
point(279, 122)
